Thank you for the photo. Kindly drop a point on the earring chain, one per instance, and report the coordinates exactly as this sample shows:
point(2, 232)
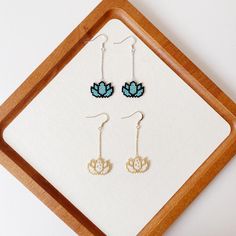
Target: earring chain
point(103, 49)
point(137, 139)
point(133, 62)
point(100, 141)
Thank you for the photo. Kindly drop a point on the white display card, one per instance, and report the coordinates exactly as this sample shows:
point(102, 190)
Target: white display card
point(179, 132)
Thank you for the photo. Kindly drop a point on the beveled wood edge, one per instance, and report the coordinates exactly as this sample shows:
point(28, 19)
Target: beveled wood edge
point(53, 64)
point(40, 192)
point(49, 195)
point(178, 62)
point(174, 58)
point(152, 37)
point(191, 188)
point(13, 162)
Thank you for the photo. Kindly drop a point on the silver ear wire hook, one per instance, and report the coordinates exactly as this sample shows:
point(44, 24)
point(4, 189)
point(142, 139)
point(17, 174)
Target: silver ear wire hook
point(131, 36)
point(104, 35)
point(103, 51)
point(138, 128)
point(132, 50)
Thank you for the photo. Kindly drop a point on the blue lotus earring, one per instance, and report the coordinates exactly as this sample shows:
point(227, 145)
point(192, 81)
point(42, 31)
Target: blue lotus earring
point(137, 164)
point(132, 89)
point(102, 89)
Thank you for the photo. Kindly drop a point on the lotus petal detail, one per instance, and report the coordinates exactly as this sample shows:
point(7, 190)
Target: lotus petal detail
point(133, 89)
point(137, 165)
point(102, 90)
point(99, 166)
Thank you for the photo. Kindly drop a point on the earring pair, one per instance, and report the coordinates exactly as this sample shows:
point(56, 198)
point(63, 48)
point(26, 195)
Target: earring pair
point(131, 89)
point(100, 166)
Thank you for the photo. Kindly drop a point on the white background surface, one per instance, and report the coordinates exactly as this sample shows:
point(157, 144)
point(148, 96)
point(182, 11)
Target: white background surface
point(59, 141)
point(198, 37)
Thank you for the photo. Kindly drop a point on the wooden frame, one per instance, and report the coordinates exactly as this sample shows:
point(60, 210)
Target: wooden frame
point(175, 59)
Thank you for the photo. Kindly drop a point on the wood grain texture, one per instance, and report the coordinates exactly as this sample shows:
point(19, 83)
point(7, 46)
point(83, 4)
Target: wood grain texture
point(175, 59)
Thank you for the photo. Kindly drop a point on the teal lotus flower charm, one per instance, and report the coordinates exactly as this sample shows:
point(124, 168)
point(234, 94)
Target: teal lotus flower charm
point(133, 89)
point(102, 90)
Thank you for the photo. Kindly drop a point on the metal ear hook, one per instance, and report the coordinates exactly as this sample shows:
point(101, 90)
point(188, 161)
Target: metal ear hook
point(139, 122)
point(100, 166)
point(131, 36)
point(103, 123)
point(104, 35)
point(103, 43)
point(103, 51)
point(138, 164)
point(137, 127)
point(101, 129)
point(132, 50)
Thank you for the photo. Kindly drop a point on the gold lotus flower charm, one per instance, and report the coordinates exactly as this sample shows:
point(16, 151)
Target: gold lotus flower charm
point(137, 165)
point(99, 166)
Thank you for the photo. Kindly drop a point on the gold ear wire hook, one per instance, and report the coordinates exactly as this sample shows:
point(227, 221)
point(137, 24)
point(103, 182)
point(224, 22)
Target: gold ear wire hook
point(103, 123)
point(100, 166)
point(100, 128)
point(138, 128)
point(139, 122)
point(131, 36)
point(138, 164)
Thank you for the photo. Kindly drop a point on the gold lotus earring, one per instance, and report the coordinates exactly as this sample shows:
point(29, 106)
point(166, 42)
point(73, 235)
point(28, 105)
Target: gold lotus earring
point(137, 164)
point(100, 166)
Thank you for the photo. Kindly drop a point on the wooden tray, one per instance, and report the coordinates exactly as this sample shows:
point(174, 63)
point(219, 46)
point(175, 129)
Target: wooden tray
point(125, 12)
